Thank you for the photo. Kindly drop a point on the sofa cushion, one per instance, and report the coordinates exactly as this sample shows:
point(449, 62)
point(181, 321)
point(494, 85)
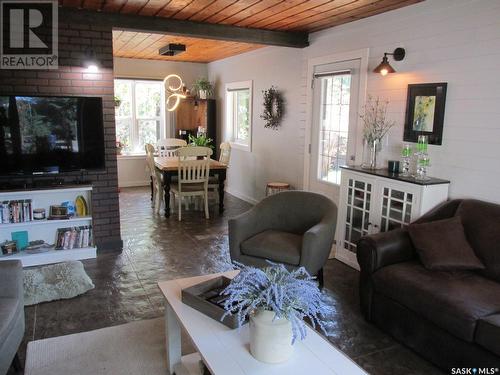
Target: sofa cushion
point(488, 333)
point(277, 246)
point(10, 308)
point(442, 245)
point(453, 301)
point(481, 222)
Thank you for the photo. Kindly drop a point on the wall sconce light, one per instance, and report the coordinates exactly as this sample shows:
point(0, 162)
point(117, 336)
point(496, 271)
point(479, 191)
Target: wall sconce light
point(90, 61)
point(176, 91)
point(384, 67)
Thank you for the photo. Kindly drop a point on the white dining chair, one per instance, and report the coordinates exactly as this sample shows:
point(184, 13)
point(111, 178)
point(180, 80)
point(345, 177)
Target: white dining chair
point(224, 158)
point(193, 174)
point(168, 147)
point(157, 184)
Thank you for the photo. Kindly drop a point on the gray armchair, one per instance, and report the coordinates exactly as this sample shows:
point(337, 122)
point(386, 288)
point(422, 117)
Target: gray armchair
point(11, 313)
point(296, 228)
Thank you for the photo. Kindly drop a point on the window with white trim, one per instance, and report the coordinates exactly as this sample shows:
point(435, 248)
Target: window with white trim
point(140, 115)
point(239, 114)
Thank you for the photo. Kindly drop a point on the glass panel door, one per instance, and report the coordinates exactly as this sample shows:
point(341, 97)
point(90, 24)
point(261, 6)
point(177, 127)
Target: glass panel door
point(334, 126)
point(334, 119)
point(357, 223)
point(397, 208)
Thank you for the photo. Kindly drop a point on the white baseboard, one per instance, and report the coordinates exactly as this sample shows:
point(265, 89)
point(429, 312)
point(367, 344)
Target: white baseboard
point(133, 183)
point(242, 196)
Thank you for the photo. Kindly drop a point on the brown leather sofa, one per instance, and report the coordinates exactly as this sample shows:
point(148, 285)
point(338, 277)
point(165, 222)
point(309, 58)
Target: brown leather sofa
point(451, 318)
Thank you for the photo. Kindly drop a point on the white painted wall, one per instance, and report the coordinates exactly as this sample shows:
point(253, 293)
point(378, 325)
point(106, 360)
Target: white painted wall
point(132, 169)
point(454, 41)
point(274, 155)
point(277, 155)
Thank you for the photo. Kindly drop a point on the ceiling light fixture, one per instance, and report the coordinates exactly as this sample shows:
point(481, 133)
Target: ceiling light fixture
point(176, 90)
point(384, 67)
point(172, 49)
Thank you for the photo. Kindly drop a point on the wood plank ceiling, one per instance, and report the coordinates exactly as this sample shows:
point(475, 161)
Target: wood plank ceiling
point(284, 15)
point(145, 46)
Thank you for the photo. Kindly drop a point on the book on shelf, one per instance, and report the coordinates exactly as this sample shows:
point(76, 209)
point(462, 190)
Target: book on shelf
point(73, 237)
point(16, 211)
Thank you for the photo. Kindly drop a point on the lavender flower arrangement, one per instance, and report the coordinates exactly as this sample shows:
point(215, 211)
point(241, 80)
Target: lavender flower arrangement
point(290, 295)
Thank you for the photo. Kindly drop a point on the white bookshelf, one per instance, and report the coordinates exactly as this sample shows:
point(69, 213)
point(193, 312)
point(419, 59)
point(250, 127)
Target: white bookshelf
point(52, 256)
point(46, 229)
point(70, 221)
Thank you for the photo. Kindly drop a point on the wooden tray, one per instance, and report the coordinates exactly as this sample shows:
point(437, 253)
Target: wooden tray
point(205, 297)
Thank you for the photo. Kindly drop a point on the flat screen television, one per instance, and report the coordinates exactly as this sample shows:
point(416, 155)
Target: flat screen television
point(50, 134)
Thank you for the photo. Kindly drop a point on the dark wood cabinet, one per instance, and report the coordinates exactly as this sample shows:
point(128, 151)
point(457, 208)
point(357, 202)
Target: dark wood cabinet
point(193, 113)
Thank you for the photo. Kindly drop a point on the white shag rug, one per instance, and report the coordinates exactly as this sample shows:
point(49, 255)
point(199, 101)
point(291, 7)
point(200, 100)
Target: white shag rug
point(136, 348)
point(55, 281)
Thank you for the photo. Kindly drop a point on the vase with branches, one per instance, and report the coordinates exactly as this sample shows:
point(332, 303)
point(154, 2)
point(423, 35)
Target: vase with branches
point(375, 128)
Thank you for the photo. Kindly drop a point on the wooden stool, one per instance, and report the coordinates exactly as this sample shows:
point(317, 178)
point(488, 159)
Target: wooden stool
point(276, 187)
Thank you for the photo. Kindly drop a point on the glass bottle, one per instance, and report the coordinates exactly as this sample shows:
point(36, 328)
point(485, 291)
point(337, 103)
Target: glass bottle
point(406, 160)
point(422, 158)
point(423, 163)
point(423, 142)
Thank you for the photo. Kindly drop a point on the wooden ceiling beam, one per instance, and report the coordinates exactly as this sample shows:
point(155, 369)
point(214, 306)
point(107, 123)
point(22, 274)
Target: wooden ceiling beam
point(159, 25)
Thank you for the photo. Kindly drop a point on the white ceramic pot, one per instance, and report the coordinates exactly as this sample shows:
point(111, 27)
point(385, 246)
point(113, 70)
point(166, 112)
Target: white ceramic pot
point(203, 94)
point(270, 340)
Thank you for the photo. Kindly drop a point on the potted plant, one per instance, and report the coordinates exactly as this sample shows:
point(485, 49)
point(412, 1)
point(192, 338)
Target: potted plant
point(117, 101)
point(119, 147)
point(201, 141)
point(203, 87)
point(375, 128)
point(277, 301)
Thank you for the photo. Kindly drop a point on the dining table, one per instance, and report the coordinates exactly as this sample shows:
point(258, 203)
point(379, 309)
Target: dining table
point(169, 167)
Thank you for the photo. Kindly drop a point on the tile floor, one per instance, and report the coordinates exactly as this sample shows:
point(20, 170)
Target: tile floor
point(156, 248)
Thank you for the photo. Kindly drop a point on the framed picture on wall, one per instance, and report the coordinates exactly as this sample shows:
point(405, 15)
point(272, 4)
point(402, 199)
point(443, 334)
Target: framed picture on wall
point(425, 112)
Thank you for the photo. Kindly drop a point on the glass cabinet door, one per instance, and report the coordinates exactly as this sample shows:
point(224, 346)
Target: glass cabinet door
point(397, 208)
point(357, 222)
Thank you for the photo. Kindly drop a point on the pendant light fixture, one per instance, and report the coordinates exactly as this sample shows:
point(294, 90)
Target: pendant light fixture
point(175, 90)
point(384, 67)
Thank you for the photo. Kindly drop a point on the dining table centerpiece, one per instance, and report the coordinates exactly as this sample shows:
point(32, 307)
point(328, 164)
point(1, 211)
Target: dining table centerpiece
point(201, 140)
point(276, 301)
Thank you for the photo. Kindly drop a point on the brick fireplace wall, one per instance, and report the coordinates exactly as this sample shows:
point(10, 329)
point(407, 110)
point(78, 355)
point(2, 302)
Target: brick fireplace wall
point(72, 79)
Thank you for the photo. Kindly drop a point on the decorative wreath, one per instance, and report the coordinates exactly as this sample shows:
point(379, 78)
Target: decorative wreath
point(273, 108)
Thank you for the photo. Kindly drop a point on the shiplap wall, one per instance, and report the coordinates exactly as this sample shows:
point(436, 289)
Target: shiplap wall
point(454, 41)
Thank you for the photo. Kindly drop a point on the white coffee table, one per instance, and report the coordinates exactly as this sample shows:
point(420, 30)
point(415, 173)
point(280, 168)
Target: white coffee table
point(226, 352)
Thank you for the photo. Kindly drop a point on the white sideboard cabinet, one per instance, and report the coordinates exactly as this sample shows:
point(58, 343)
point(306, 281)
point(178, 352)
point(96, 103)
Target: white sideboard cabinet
point(373, 201)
